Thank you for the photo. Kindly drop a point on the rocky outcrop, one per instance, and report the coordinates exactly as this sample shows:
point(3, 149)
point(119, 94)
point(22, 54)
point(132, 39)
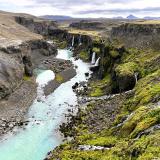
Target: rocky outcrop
point(88, 25)
point(42, 47)
point(11, 74)
point(18, 60)
point(138, 35)
point(38, 26)
point(24, 53)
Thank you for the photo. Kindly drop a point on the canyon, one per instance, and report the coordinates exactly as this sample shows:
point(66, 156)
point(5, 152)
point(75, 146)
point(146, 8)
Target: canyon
point(105, 89)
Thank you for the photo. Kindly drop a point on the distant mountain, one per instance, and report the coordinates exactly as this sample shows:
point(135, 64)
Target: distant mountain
point(119, 17)
point(152, 18)
point(56, 17)
point(132, 17)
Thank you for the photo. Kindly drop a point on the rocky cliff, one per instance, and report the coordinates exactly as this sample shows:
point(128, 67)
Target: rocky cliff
point(37, 25)
point(88, 25)
point(18, 45)
point(139, 35)
point(11, 74)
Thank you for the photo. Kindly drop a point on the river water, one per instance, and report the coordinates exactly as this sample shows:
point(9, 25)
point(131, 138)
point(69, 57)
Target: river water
point(44, 116)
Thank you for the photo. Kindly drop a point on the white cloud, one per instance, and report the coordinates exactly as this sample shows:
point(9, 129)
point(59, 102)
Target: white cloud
point(73, 7)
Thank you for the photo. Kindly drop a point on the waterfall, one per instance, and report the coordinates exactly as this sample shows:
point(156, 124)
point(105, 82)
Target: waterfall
point(73, 41)
point(80, 40)
point(136, 77)
point(97, 62)
point(93, 58)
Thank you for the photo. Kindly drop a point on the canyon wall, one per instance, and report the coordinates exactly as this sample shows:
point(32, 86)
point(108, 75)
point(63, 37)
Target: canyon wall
point(138, 35)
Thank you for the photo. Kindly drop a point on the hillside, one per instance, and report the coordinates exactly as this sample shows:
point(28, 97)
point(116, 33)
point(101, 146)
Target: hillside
point(12, 33)
point(120, 119)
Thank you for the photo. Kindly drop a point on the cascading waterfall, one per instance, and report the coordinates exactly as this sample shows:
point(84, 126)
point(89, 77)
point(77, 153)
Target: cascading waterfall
point(93, 58)
point(73, 41)
point(136, 77)
point(80, 40)
point(97, 62)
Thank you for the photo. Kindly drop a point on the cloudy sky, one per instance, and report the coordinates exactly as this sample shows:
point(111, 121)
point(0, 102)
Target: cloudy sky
point(84, 8)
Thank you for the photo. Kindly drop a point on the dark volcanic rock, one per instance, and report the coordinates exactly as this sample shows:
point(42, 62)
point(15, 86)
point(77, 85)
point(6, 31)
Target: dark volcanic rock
point(126, 83)
point(88, 25)
point(43, 47)
point(38, 26)
point(138, 35)
point(11, 74)
point(26, 52)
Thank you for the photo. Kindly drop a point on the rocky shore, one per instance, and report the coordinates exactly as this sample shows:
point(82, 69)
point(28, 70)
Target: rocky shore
point(14, 108)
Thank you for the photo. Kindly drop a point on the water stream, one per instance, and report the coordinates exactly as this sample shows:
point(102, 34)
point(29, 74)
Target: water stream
point(44, 116)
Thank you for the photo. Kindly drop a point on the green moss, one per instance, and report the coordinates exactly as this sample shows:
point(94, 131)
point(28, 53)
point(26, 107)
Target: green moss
point(142, 119)
point(102, 141)
point(62, 45)
point(147, 60)
point(114, 53)
point(98, 87)
point(147, 147)
point(119, 118)
point(147, 89)
point(122, 139)
point(129, 126)
point(150, 119)
point(26, 78)
point(96, 50)
point(59, 78)
point(127, 69)
point(84, 55)
point(97, 40)
point(97, 92)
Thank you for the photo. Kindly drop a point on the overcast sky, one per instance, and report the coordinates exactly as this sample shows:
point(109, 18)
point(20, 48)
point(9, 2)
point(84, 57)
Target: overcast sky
point(84, 8)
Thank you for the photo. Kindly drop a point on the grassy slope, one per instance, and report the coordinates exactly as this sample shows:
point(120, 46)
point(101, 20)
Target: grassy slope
point(12, 33)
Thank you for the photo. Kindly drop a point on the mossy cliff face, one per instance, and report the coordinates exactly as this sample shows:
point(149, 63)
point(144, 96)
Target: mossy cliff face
point(123, 65)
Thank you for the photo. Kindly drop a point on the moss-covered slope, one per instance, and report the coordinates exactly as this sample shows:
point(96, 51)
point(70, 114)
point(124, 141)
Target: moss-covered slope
point(127, 125)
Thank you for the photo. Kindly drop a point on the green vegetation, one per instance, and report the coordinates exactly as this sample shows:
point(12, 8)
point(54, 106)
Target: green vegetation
point(59, 78)
point(114, 53)
point(97, 92)
point(96, 50)
point(142, 119)
point(147, 90)
point(127, 69)
point(98, 87)
point(137, 114)
point(26, 78)
point(108, 141)
point(62, 45)
point(84, 55)
point(147, 61)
